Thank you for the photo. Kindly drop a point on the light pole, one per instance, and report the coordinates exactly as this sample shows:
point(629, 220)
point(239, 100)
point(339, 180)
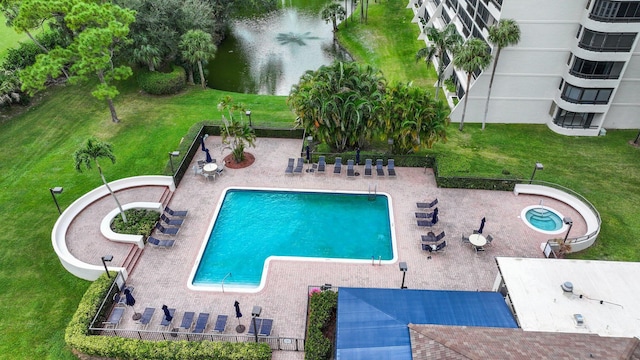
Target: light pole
point(248, 113)
point(171, 156)
point(105, 260)
point(54, 191)
point(254, 314)
point(537, 167)
point(390, 142)
point(403, 268)
point(567, 220)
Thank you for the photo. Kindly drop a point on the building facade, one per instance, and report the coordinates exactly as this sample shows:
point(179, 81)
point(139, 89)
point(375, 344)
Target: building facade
point(576, 67)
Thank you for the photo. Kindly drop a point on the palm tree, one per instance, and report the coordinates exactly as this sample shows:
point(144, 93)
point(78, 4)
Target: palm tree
point(197, 47)
point(333, 12)
point(147, 54)
point(91, 151)
point(471, 56)
point(441, 43)
point(505, 33)
point(236, 129)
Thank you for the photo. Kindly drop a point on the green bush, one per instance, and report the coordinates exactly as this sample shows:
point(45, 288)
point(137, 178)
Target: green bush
point(77, 337)
point(322, 310)
point(139, 222)
point(158, 83)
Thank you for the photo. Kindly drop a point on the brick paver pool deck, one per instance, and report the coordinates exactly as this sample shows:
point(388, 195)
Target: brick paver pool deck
point(161, 275)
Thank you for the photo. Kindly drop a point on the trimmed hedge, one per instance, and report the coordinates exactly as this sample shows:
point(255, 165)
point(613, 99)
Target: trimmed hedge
point(158, 83)
point(77, 337)
point(322, 305)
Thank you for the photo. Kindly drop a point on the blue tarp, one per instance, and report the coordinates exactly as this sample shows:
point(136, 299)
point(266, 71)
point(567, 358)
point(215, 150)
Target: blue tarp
point(372, 323)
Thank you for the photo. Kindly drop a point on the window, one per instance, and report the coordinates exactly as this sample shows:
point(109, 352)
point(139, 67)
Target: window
point(615, 11)
point(578, 95)
point(578, 33)
point(561, 83)
point(445, 17)
point(606, 42)
point(568, 119)
point(596, 69)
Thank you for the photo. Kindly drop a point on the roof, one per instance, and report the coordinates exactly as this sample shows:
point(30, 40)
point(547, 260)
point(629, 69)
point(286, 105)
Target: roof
point(463, 342)
point(372, 323)
point(605, 293)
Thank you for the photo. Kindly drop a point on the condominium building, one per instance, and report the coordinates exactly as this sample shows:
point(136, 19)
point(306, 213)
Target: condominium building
point(576, 67)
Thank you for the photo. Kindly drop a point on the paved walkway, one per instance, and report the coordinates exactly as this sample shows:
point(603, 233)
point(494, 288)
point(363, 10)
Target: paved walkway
point(161, 275)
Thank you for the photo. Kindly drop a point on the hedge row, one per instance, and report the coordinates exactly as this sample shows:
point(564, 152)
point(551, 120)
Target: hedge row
point(322, 307)
point(77, 337)
point(159, 83)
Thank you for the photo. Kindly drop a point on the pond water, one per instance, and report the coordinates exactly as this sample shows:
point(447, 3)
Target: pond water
point(267, 54)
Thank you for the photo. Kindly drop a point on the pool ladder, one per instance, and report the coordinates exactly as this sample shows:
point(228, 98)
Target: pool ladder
point(372, 194)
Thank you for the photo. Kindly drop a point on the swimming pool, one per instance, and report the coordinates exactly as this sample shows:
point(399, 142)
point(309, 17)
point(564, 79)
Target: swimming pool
point(543, 219)
point(251, 227)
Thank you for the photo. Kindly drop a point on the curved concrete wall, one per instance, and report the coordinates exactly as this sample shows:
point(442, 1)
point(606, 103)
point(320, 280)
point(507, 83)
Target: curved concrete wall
point(58, 234)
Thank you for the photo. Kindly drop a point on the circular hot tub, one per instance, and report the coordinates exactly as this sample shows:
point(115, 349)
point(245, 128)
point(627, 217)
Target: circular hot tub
point(543, 219)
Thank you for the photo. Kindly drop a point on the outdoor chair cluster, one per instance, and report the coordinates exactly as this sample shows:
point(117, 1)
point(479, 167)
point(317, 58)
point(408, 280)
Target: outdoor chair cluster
point(431, 241)
point(368, 171)
point(171, 228)
point(264, 327)
point(202, 322)
point(199, 169)
point(321, 167)
point(434, 242)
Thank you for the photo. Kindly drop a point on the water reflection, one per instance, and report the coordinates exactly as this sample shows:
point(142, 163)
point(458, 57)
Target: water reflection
point(268, 54)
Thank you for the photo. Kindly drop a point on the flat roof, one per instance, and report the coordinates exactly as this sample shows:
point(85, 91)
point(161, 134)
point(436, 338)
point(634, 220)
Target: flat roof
point(605, 293)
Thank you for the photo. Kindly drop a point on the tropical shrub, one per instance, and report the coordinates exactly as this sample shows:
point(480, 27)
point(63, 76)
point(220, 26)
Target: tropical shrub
point(158, 83)
point(235, 133)
point(322, 311)
point(139, 222)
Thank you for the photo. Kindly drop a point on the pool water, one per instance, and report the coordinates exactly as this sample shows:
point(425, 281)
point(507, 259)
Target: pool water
point(252, 225)
point(544, 219)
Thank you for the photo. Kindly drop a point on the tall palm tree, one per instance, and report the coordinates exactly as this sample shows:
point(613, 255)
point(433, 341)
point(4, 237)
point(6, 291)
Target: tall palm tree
point(474, 54)
point(236, 129)
point(332, 12)
point(92, 150)
point(442, 41)
point(505, 33)
point(197, 47)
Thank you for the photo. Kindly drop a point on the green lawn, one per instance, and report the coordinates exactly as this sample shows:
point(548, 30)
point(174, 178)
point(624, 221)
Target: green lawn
point(38, 296)
point(8, 37)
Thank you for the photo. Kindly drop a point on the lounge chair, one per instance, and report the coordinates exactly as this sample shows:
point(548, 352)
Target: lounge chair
point(440, 247)
point(166, 322)
point(121, 299)
point(176, 222)
point(367, 167)
point(265, 328)
point(187, 320)
point(426, 223)
point(427, 205)
point(289, 169)
point(379, 169)
point(391, 168)
point(258, 323)
point(337, 167)
point(489, 239)
point(221, 323)
point(201, 323)
point(299, 166)
point(440, 236)
point(430, 237)
point(166, 231)
point(146, 316)
point(174, 212)
point(423, 215)
point(351, 173)
point(114, 317)
point(160, 243)
point(322, 165)
point(428, 247)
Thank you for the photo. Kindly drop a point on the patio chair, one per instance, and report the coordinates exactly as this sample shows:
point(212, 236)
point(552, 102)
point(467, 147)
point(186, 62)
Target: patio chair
point(166, 231)
point(465, 240)
point(221, 323)
point(440, 236)
point(161, 243)
point(379, 169)
point(201, 163)
point(489, 239)
point(476, 232)
point(478, 248)
point(265, 329)
point(299, 166)
point(391, 167)
point(427, 205)
point(147, 314)
point(175, 222)
point(426, 223)
point(337, 167)
point(114, 317)
point(197, 170)
point(201, 323)
point(166, 322)
point(220, 169)
point(120, 299)
point(367, 167)
point(423, 215)
point(322, 165)
point(351, 173)
point(182, 213)
point(187, 320)
point(289, 169)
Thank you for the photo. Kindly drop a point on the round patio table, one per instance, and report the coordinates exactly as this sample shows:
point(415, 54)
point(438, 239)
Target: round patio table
point(477, 240)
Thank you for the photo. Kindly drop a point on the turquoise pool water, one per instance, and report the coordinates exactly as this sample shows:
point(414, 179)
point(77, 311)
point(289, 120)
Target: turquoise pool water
point(544, 219)
point(253, 225)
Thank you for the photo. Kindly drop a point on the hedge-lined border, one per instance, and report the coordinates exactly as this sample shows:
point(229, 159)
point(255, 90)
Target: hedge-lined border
point(322, 304)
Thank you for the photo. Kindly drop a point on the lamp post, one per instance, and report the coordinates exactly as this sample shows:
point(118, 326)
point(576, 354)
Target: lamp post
point(537, 167)
point(54, 191)
point(567, 220)
point(105, 260)
point(403, 268)
point(390, 142)
point(248, 113)
point(171, 156)
point(254, 314)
